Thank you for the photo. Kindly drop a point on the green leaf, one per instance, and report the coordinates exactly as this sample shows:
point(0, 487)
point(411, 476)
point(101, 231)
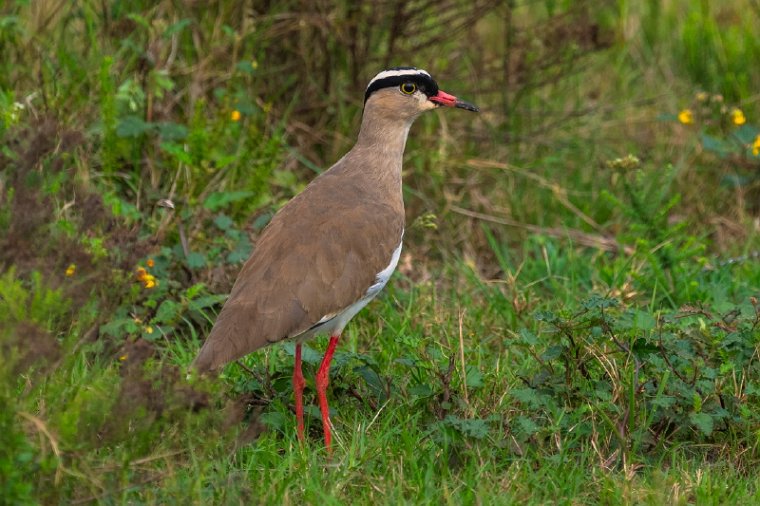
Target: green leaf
point(644, 320)
point(178, 152)
point(746, 133)
point(245, 67)
point(407, 361)
point(308, 354)
point(421, 390)
point(167, 312)
point(526, 426)
point(528, 337)
point(714, 144)
point(171, 131)
point(220, 200)
point(194, 290)
point(274, 420)
point(664, 401)
point(545, 316)
point(372, 379)
point(475, 427)
point(599, 302)
point(703, 422)
point(261, 221)
point(132, 126)
point(553, 352)
point(205, 301)
point(139, 20)
point(119, 327)
point(195, 260)
point(527, 396)
point(667, 117)
point(241, 252)
point(176, 27)
point(474, 377)
point(223, 221)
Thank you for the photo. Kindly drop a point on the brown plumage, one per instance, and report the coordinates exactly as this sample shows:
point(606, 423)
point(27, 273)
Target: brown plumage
point(310, 262)
point(329, 250)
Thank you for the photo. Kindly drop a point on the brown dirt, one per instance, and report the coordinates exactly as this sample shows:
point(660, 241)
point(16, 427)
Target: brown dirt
point(34, 346)
point(148, 394)
point(243, 411)
point(45, 147)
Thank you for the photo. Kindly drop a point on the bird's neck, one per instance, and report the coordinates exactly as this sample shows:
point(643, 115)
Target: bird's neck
point(384, 137)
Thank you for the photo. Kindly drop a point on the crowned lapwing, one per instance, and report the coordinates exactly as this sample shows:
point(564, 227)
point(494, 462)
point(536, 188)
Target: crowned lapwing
point(332, 248)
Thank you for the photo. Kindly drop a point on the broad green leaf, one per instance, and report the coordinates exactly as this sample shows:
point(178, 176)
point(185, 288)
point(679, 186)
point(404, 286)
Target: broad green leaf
point(746, 133)
point(178, 152)
point(194, 290)
point(176, 27)
point(241, 252)
point(421, 390)
point(526, 426)
point(274, 420)
point(220, 200)
point(171, 131)
point(703, 422)
point(167, 311)
point(552, 352)
point(528, 337)
point(644, 320)
point(205, 301)
point(599, 302)
point(475, 427)
point(223, 221)
point(373, 380)
point(119, 327)
point(716, 145)
point(308, 354)
point(474, 377)
point(132, 126)
point(196, 260)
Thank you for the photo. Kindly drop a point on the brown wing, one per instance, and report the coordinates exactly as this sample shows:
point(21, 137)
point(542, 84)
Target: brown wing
point(319, 254)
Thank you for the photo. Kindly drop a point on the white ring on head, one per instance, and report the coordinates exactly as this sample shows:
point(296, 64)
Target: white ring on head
point(396, 73)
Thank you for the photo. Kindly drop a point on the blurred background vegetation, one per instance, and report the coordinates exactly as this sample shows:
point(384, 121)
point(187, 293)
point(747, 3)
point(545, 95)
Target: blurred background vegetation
point(578, 283)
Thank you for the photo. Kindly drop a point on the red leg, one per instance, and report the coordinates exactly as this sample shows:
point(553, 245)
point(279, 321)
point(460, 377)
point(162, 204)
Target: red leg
point(298, 384)
point(323, 378)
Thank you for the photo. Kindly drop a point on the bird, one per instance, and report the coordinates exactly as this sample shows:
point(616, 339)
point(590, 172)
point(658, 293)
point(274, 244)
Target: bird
point(332, 248)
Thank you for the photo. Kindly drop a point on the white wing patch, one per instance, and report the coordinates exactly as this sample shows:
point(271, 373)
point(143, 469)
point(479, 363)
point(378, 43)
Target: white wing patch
point(383, 276)
point(334, 323)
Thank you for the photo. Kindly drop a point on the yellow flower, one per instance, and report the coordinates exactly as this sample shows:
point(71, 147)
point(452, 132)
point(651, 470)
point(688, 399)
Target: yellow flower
point(686, 117)
point(148, 329)
point(150, 262)
point(149, 281)
point(235, 115)
point(756, 146)
point(70, 270)
point(123, 357)
point(737, 116)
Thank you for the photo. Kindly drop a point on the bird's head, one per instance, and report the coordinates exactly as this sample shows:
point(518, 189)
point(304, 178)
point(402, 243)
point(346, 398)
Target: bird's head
point(406, 92)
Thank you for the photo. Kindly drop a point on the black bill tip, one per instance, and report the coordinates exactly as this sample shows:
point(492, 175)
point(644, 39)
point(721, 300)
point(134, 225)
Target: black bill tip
point(461, 104)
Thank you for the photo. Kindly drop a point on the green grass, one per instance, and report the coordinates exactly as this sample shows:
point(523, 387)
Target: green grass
point(569, 324)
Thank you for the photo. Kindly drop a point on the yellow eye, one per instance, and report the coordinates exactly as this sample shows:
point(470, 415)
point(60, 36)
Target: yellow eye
point(408, 88)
